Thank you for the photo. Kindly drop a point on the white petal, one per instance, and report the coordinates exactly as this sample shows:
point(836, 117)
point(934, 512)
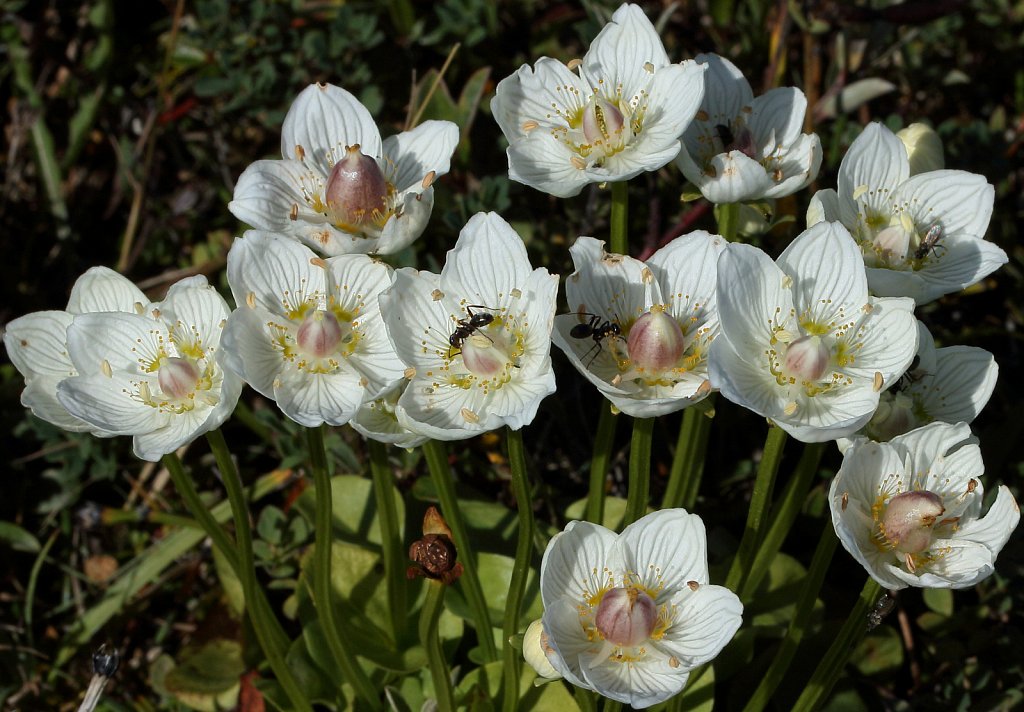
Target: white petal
point(743, 379)
point(102, 289)
point(177, 431)
point(408, 222)
point(961, 384)
point(40, 396)
point(959, 201)
point(877, 160)
point(932, 442)
point(750, 295)
point(726, 90)
point(778, 116)
point(827, 271)
point(888, 343)
point(417, 322)
point(675, 95)
point(799, 166)
point(37, 344)
point(705, 622)
point(248, 349)
point(666, 549)
point(574, 562)
point(444, 411)
point(436, 425)
point(267, 192)
point(195, 313)
point(529, 94)
point(121, 340)
point(426, 148)
point(488, 262)
point(622, 50)
point(994, 529)
point(312, 399)
point(824, 206)
point(639, 685)
point(608, 285)
point(276, 270)
point(108, 403)
point(732, 178)
point(830, 415)
point(536, 306)
point(561, 622)
point(543, 162)
point(962, 565)
point(324, 120)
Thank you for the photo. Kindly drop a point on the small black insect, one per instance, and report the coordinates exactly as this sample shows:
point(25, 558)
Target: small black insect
point(467, 326)
point(596, 329)
point(883, 607)
point(929, 243)
point(910, 375)
point(724, 134)
point(105, 663)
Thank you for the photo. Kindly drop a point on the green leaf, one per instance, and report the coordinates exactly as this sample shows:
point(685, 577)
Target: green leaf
point(495, 573)
point(699, 693)
point(881, 650)
point(230, 582)
point(939, 600)
point(18, 538)
point(205, 678)
point(354, 510)
point(614, 511)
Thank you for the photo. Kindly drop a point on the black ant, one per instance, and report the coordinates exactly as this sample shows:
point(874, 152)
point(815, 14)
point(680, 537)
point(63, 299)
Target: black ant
point(929, 243)
point(596, 329)
point(724, 134)
point(910, 376)
point(467, 326)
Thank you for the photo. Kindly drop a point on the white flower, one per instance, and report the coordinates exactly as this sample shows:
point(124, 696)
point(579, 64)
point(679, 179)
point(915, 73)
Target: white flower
point(339, 188)
point(630, 615)
point(376, 420)
point(801, 341)
point(924, 148)
point(950, 385)
point(621, 115)
point(740, 148)
point(308, 333)
point(156, 376)
point(909, 510)
point(641, 332)
point(37, 342)
point(921, 235)
point(476, 337)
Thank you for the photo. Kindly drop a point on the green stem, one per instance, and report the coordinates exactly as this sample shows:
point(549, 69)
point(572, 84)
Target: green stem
point(804, 605)
point(728, 220)
point(783, 516)
point(437, 462)
point(585, 700)
point(829, 669)
point(603, 443)
point(688, 461)
point(391, 537)
point(431, 641)
point(619, 218)
point(343, 657)
point(611, 706)
point(639, 469)
point(520, 569)
point(220, 539)
point(763, 484)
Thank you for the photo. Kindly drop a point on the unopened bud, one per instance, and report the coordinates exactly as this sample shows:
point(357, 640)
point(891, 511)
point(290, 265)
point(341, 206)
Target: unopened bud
point(356, 189)
point(535, 651)
point(626, 616)
point(909, 518)
point(319, 334)
point(807, 358)
point(655, 341)
point(602, 121)
point(924, 148)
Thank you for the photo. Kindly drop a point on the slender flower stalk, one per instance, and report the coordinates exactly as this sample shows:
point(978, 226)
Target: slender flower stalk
point(343, 657)
point(639, 470)
point(437, 462)
point(431, 641)
point(759, 500)
point(259, 608)
point(391, 536)
point(783, 516)
point(585, 700)
point(688, 462)
point(828, 670)
point(728, 220)
point(603, 443)
point(804, 605)
point(520, 569)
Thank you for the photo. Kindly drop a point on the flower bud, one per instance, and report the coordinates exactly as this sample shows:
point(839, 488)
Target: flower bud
point(484, 355)
point(909, 518)
point(319, 334)
point(626, 616)
point(924, 148)
point(602, 121)
point(535, 651)
point(655, 341)
point(807, 358)
point(178, 377)
point(356, 189)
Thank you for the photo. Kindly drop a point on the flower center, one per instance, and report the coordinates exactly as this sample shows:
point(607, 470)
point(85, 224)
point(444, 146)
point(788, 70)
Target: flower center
point(626, 616)
point(807, 359)
point(320, 334)
point(655, 342)
point(178, 377)
point(894, 416)
point(908, 520)
point(487, 355)
point(357, 194)
point(603, 125)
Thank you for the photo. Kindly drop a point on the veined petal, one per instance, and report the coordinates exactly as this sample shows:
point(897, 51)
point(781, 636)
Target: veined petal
point(732, 178)
point(666, 549)
point(446, 412)
point(994, 529)
point(312, 399)
point(415, 153)
point(176, 431)
point(248, 349)
point(931, 444)
point(416, 318)
point(744, 382)
point(687, 270)
point(268, 193)
point(828, 273)
point(961, 385)
point(526, 98)
point(324, 120)
point(402, 228)
point(126, 342)
point(102, 289)
point(675, 96)
point(195, 314)
point(799, 165)
point(640, 685)
point(828, 416)
point(889, 342)
point(40, 396)
point(37, 344)
point(620, 52)
point(536, 307)
point(488, 262)
point(561, 622)
point(437, 426)
point(543, 162)
point(726, 90)
point(615, 287)
point(824, 206)
point(962, 564)
point(959, 201)
point(874, 166)
point(277, 271)
point(706, 620)
point(107, 403)
point(575, 561)
point(777, 117)
point(964, 261)
point(751, 296)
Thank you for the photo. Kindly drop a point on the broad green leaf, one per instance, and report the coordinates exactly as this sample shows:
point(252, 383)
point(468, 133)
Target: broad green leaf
point(230, 582)
point(939, 600)
point(18, 538)
point(614, 511)
point(205, 678)
point(881, 650)
point(354, 509)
